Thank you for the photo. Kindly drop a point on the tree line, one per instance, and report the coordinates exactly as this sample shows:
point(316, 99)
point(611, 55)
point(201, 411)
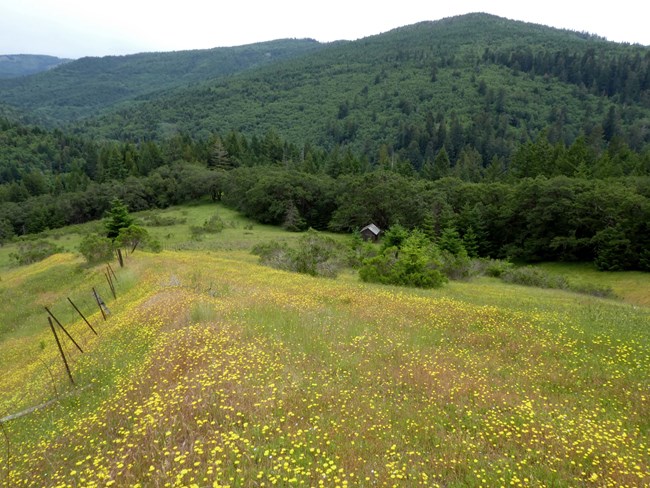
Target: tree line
point(585, 202)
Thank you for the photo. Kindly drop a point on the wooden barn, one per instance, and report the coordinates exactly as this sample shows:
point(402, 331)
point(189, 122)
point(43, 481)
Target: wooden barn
point(370, 232)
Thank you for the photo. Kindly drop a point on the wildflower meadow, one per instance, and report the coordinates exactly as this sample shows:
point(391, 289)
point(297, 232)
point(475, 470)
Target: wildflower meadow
point(215, 371)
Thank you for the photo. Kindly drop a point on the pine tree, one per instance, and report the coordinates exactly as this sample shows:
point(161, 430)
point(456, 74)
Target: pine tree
point(117, 218)
point(442, 165)
point(219, 157)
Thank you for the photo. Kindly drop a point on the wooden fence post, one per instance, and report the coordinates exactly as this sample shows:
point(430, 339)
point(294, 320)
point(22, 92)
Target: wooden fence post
point(58, 343)
point(82, 315)
point(110, 284)
point(113, 272)
point(99, 304)
point(66, 332)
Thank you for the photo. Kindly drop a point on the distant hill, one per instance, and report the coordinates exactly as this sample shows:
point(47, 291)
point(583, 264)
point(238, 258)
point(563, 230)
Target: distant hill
point(17, 65)
point(83, 87)
point(475, 81)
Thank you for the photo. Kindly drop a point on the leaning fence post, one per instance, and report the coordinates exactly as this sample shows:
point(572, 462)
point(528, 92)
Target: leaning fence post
point(112, 272)
point(66, 332)
point(58, 343)
point(120, 258)
point(99, 303)
point(82, 315)
point(110, 284)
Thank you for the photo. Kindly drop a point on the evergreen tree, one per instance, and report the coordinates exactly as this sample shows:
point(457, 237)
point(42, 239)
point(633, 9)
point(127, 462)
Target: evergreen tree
point(117, 218)
point(428, 170)
point(450, 241)
point(219, 157)
point(470, 242)
point(441, 165)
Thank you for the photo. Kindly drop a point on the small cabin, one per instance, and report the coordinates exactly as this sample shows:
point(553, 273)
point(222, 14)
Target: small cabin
point(370, 233)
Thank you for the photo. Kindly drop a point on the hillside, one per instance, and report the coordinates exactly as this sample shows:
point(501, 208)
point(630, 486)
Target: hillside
point(88, 85)
point(213, 370)
point(18, 65)
point(475, 80)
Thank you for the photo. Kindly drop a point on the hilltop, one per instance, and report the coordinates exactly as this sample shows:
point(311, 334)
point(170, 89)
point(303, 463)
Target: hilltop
point(86, 86)
point(18, 65)
point(491, 82)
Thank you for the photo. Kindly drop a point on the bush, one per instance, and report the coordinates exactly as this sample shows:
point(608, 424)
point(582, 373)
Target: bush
point(154, 219)
point(457, 266)
point(359, 250)
point(275, 255)
point(316, 255)
point(34, 250)
point(414, 263)
point(96, 248)
point(600, 291)
point(531, 276)
point(213, 225)
point(495, 267)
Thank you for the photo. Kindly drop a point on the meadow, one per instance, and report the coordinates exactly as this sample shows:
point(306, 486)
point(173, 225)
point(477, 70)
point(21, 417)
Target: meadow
point(215, 371)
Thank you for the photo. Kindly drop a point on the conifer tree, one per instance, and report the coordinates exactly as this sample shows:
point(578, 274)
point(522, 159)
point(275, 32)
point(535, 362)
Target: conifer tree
point(117, 218)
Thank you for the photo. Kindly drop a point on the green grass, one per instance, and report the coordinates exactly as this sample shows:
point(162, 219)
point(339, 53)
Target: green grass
point(631, 286)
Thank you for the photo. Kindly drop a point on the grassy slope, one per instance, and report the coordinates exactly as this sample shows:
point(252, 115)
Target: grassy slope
point(213, 369)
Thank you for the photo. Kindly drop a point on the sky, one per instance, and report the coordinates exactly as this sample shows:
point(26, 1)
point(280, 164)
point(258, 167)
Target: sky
point(77, 28)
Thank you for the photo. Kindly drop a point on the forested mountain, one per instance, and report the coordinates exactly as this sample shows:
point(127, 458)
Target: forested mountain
point(476, 80)
point(86, 86)
point(17, 65)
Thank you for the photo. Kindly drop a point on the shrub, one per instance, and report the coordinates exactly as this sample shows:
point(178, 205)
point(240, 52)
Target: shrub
point(495, 267)
point(531, 276)
point(600, 291)
point(213, 225)
point(275, 255)
point(96, 248)
point(457, 266)
point(316, 255)
point(359, 250)
point(34, 250)
point(153, 219)
point(414, 263)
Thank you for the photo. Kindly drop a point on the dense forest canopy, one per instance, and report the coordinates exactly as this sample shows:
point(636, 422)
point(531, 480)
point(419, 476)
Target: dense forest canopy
point(534, 140)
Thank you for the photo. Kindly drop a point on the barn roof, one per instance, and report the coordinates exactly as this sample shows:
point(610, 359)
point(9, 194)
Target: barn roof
point(372, 228)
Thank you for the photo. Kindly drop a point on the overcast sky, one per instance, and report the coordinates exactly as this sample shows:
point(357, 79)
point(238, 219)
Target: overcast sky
point(76, 28)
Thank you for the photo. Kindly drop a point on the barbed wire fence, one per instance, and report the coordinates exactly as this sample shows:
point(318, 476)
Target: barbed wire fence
point(73, 334)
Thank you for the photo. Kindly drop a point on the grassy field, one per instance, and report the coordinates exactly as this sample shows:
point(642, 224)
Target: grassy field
point(215, 371)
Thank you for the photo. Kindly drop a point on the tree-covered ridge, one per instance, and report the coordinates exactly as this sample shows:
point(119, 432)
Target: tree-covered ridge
point(409, 92)
point(17, 65)
point(82, 87)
